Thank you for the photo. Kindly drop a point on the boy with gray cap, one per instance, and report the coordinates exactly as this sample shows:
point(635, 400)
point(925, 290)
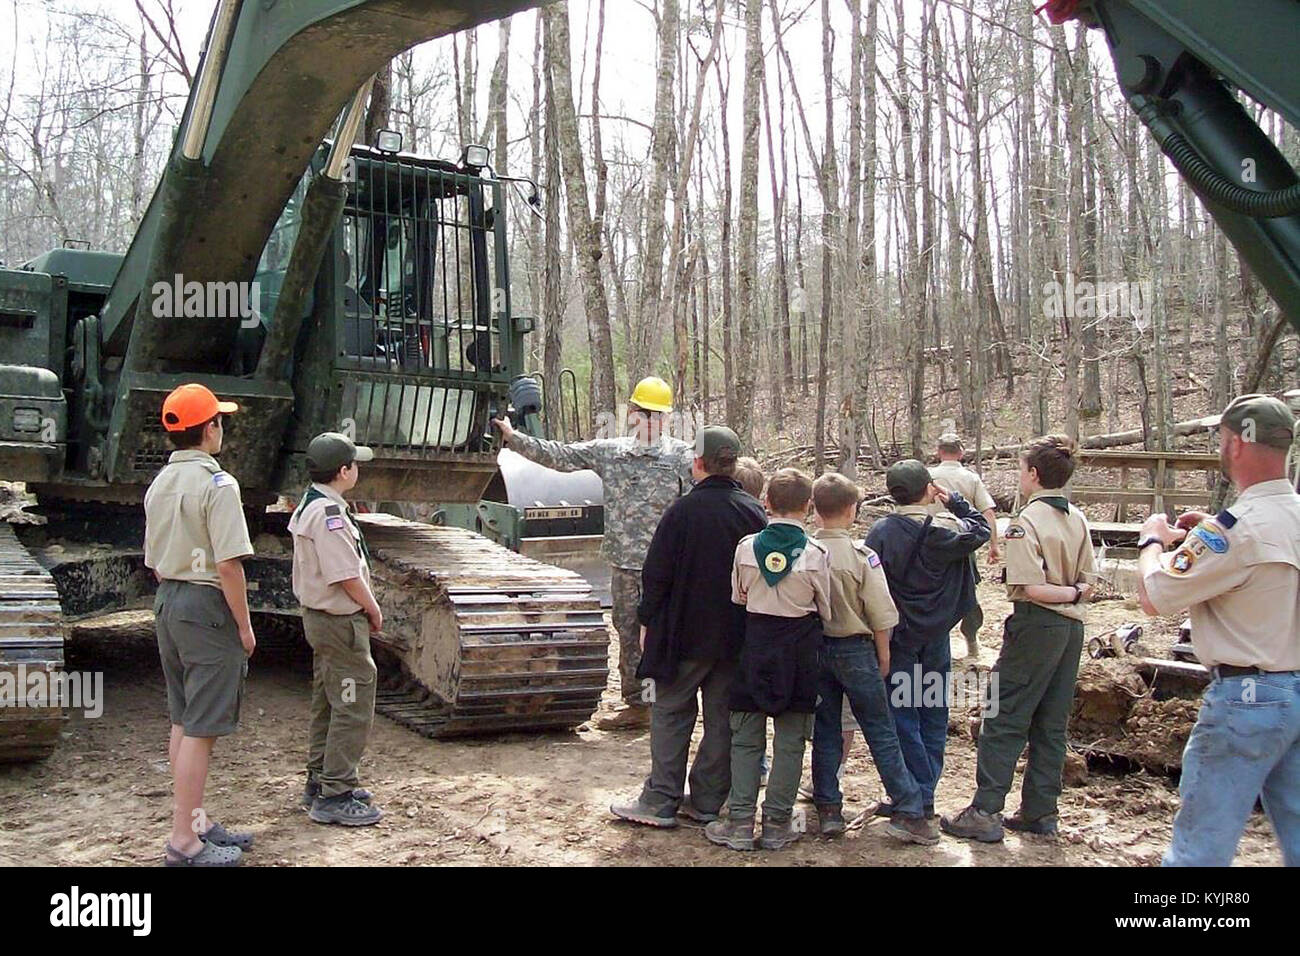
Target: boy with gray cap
point(331, 578)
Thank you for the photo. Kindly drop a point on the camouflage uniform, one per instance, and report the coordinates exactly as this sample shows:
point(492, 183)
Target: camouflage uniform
point(641, 481)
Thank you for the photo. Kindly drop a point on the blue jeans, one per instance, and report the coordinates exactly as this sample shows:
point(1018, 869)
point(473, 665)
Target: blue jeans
point(918, 698)
point(849, 667)
point(1245, 744)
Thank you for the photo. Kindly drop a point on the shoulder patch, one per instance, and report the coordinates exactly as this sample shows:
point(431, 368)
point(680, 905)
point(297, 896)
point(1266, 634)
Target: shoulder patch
point(334, 524)
point(873, 559)
point(1212, 534)
point(1182, 561)
point(1014, 531)
point(221, 479)
point(1226, 518)
point(333, 510)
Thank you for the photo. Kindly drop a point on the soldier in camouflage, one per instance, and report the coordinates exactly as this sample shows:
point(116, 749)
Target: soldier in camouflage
point(643, 473)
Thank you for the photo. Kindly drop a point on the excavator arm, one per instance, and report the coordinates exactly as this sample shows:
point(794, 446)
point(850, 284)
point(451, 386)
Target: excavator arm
point(1180, 65)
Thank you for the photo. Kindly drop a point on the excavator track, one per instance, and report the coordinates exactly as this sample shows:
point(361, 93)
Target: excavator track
point(484, 639)
point(31, 643)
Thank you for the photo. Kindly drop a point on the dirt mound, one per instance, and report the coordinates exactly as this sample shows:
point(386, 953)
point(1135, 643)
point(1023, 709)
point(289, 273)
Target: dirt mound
point(1115, 714)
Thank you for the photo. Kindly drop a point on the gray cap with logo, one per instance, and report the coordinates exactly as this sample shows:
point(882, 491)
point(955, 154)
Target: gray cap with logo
point(1261, 418)
point(331, 450)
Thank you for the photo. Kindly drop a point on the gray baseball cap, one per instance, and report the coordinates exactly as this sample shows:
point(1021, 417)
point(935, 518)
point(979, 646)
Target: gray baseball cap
point(713, 440)
point(331, 450)
point(909, 476)
point(1261, 418)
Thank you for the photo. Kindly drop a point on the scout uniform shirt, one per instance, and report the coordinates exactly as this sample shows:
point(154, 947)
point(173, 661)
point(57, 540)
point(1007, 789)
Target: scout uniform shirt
point(805, 590)
point(1239, 573)
point(328, 548)
point(640, 481)
point(859, 595)
point(952, 475)
point(194, 518)
point(1049, 543)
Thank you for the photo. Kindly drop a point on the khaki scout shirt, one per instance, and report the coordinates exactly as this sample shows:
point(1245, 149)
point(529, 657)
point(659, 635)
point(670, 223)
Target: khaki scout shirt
point(954, 476)
point(860, 599)
point(805, 590)
point(327, 550)
point(1239, 573)
point(1048, 546)
point(193, 519)
point(640, 482)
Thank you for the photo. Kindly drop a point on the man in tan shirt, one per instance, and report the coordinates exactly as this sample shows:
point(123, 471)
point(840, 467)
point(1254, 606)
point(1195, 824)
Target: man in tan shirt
point(331, 578)
point(1239, 573)
point(195, 540)
point(951, 475)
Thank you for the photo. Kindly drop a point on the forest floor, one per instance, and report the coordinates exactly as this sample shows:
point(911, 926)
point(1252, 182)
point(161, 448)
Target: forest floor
point(104, 797)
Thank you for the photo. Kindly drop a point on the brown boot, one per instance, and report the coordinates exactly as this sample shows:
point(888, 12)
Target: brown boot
point(625, 718)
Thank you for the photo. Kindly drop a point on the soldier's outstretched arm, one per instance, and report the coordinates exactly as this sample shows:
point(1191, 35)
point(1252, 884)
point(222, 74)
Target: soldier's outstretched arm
point(578, 456)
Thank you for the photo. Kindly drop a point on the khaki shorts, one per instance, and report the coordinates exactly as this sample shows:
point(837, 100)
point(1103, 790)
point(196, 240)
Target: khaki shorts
point(203, 661)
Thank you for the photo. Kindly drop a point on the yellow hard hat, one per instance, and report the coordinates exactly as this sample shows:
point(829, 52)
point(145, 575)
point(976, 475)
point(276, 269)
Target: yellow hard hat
point(653, 394)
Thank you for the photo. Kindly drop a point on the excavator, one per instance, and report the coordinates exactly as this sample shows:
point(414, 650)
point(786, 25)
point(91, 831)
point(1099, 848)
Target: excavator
point(323, 284)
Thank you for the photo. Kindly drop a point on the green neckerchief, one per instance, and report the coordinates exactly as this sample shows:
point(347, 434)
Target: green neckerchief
point(313, 494)
point(776, 547)
point(1059, 502)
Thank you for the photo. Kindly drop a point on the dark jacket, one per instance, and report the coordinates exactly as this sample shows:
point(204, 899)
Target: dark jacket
point(686, 579)
point(936, 590)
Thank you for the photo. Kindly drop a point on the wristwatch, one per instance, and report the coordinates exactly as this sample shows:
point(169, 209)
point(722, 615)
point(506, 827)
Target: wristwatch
point(1078, 594)
point(1149, 540)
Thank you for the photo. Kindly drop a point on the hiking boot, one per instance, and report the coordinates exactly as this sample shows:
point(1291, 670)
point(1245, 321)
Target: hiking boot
point(638, 811)
point(1047, 825)
point(733, 834)
point(209, 855)
point(776, 834)
point(344, 809)
point(974, 824)
point(218, 835)
point(625, 718)
point(886, 809)
point(832, 819)
point(920, 830)
point(312, 790)
point(690, 811)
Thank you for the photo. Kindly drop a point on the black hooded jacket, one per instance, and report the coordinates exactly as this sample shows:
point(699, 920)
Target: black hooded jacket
point(934, 588)
point(686, 578)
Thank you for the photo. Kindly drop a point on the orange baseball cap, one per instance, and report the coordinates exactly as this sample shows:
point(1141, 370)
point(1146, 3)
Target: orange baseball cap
point(190, 405)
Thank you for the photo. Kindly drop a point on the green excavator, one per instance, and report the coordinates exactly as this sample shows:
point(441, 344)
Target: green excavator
point(323, 285)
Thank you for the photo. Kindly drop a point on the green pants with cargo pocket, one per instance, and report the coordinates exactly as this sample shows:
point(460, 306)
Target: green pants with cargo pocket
point(1035, 674)
point(342, 697)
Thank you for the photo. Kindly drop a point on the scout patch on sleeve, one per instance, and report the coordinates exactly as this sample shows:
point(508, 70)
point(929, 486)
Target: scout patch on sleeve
point(334, 524)
point(873, 559)
point(1226, 518)
point(332, 510)
point(221, 479)
point(1014, 531)
point(1210, 532)
point(1182, 561)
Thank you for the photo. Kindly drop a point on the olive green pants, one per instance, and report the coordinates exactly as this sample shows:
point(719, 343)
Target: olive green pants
point(790, 732)
point(1035, 676)
point(342, 697)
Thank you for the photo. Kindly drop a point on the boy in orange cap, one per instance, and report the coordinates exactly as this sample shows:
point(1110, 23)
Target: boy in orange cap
point(195, 541)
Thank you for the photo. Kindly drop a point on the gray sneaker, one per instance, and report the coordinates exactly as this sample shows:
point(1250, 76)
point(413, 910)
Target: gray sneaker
point(311, 790)
point(920, 830)
point(777, 835)
point(1048, 826)
point(974, 824)
point(831, 817)
point(733, 834)
point(638, 811)
point(344, 809)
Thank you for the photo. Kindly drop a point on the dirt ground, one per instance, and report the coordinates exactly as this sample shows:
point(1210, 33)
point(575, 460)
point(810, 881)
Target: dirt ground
point(104, 797)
